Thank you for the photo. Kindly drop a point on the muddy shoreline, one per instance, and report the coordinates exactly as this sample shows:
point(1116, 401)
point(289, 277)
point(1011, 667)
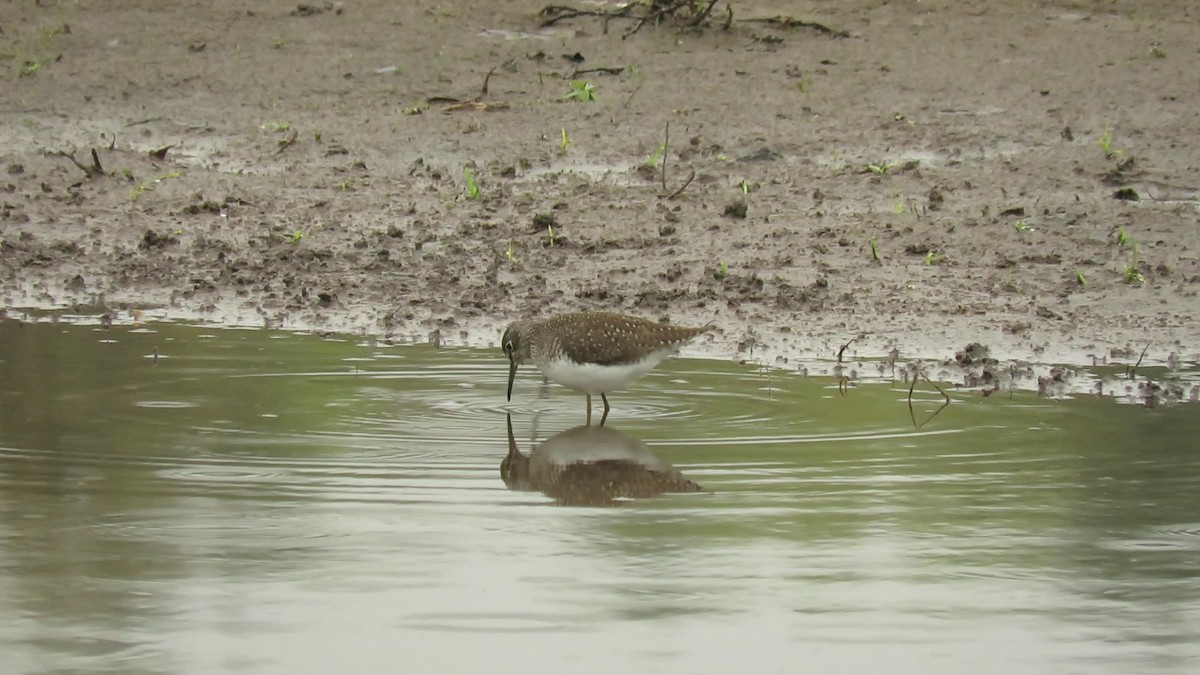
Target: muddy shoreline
point(919, 178)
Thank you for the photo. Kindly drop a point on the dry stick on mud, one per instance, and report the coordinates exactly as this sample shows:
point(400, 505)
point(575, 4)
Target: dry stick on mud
point(917, 374)
point(285, 143)
point(1131, 372)
point(666, 142)
point(475, 103)
point(562, 12)
point(655, 12)
point(605, 70)
point(93, 171)
point(789, 22)
point(843, 381)
point(691, 176)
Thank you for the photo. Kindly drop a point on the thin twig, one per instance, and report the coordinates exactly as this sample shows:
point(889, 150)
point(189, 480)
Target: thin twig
point(789, 22)
point(843, 348)
point(917, 374)
point(93, 171)
point(704, 14)
point(1131, 372)
point(484, 89)
point(630, 97)
point(288, 142)
point(690, 178)
point(666, 140)
point(604, 70)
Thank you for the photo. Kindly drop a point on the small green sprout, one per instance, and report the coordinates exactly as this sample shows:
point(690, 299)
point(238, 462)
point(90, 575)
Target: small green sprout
point(722, 270)
point(880, 168)
point(581, 91)
point(1132, 274)
point(294, 237)
point(1021, 226)
point(1107, 146)
point(934, 258)
point(745, 187)
point(510, 255)
point(1122, 237)
point(550, 234)
point(652, 160)
point(1080, 279)
point(898, 205)
point(1156, 51)
point(472, 186)
point(317, 136)
point(30, 68)
point(874, 248)
point(278, 127)
point(136, 191)
point(565, 142)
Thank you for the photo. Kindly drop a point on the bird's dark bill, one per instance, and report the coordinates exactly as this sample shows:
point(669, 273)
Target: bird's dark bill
point(512, 374)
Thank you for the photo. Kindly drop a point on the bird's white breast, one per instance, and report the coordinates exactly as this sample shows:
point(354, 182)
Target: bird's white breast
point(590, 378)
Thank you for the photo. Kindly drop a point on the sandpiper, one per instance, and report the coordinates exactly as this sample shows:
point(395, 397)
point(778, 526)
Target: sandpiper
point(592, 352)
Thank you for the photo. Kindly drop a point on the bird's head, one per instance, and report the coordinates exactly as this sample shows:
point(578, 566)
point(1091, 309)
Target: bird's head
point(516, 348)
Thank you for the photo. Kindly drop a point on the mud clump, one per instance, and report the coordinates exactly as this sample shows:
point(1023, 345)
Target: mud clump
point(974, 354)
point(153, 240)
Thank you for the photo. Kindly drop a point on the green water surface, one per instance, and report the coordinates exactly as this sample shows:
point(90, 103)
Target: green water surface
point(178, 499)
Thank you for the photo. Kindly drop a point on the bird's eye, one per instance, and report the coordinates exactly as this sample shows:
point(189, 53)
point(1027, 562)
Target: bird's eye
point(508, 347)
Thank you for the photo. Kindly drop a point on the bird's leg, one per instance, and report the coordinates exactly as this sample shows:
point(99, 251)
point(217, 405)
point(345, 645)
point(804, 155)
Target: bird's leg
point(589, 406)
point(605, 416)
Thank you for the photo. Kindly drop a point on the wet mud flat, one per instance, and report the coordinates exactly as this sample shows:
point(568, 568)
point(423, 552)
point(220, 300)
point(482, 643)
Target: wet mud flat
point(903, 181)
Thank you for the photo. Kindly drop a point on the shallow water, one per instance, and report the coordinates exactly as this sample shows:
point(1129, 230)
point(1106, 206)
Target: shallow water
point(178, 499)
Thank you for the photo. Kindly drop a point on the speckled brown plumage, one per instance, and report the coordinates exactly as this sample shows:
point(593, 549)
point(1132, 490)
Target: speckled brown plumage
point(592, 352)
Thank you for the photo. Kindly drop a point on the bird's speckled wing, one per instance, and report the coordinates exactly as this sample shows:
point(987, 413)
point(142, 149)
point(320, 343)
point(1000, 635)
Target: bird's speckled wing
point(612, 339)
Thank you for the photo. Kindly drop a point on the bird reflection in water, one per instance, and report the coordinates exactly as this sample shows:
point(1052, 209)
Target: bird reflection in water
point(590, 466)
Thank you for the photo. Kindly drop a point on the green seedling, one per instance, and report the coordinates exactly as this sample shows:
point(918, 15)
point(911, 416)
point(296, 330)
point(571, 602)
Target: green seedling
point(550, 234)
point(1021, 226)
point(277, 44)
point(279, 127)
point(1122, 237)
point(1156, 51)
point(1080, 279)
point(745, 187)
point(30, 68)
point(722, 270)
point(1132, 274)
point(294, 237)
point(898, 206)
point(317, 136)
point(565, 142)
point(1107, 146)
point(510, 255)
point(934, 258)
point(414, 109)
point(874, 248)
point(472, 186)
point(581, 91)
point(653, 159)
point(136, 192)
point(880, 168)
